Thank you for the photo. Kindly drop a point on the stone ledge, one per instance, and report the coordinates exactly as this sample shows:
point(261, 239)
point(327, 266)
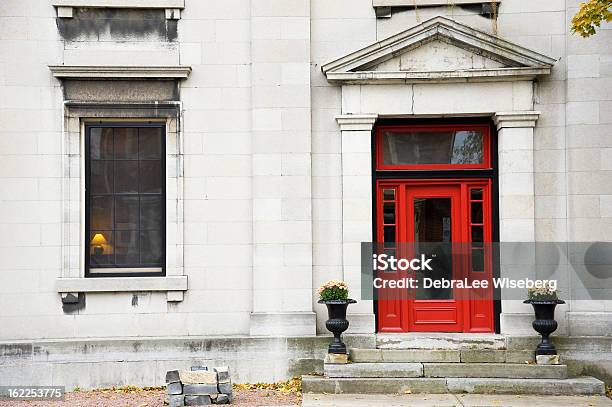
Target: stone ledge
point(119, 284)
point(119, 72)
point(426, 3)
point(180, 4)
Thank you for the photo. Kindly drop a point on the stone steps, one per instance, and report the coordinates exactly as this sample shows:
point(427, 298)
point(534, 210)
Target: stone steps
point(420, 340)
point(440, 356)
point(480, 385)
point(442, 370)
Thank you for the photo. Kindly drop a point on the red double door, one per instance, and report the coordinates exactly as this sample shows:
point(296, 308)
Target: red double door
point(449, 221)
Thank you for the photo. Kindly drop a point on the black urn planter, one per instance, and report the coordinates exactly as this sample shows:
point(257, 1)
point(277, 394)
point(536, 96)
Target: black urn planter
point(545, 323)
point(337, 323)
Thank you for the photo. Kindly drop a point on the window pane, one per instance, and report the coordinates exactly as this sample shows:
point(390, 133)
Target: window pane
point(389, 194)
point(126, 179)
point(126, 213)
point(101, 248)
point(149, 142)
point(101, 177)
point(476, 194)
point(150, 212)
point(151, 247)
point(127, 248)
point(126, 143)
point(125, 198)
point(101, 143)
point(476, 212)
point(432, 220)
point(389, 213)
point(150, 177)
point(436, 147)
point(477, 260)
point(389, 233)
point(477, 234)
point(101, 212)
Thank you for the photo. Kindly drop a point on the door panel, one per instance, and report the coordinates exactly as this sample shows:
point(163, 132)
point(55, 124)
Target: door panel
point(433, 222)
point(449, 221)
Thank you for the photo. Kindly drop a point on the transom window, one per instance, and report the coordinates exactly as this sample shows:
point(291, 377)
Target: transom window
point(125, 196)
point(432, 147)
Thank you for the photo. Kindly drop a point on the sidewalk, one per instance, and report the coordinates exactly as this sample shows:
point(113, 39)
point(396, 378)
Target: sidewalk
point(451, 400)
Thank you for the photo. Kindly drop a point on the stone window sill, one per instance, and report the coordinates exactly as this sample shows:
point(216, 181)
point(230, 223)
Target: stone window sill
point(173, 285)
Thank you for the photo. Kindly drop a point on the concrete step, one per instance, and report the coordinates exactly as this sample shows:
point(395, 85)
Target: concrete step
point(358, 355)
point(404, 355)
point(374, 370)
point(479, 385)
point(495, 370)
point(465, 370)
point(419, 340)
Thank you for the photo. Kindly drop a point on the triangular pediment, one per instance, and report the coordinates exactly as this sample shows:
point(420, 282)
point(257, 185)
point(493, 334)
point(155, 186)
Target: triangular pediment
point(439, 49)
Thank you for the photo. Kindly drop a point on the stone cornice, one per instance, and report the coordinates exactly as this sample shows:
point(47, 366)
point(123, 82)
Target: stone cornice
point(516, 119)
point(120, 72)
point(473, 75)
point(426, 3)
point(356, 122)
point(180, 4)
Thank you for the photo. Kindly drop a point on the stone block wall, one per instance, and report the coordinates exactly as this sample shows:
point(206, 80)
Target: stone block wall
point(260, 157)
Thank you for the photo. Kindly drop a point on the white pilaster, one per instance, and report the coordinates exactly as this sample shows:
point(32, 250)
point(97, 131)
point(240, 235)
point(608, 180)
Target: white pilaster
point(356, 211)
point(516, 205)
point(281, 171)
point(516, 175)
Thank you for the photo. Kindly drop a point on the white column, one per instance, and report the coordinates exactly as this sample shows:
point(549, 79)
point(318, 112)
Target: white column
point(356, 211)
point(516, 203)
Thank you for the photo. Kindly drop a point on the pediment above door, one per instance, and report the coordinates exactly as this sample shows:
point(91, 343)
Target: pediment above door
point(438, 50)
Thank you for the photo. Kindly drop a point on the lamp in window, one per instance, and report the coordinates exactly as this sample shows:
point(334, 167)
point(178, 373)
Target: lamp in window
point(98, 242)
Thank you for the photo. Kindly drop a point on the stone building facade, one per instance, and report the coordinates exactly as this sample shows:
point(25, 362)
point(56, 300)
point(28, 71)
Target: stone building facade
point(266, 110)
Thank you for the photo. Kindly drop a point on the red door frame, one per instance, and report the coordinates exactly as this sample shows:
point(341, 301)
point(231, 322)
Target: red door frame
point(479, 314)
point(398, 313)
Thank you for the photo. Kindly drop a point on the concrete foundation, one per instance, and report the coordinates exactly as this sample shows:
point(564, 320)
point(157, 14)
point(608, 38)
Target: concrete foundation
point(144, 362)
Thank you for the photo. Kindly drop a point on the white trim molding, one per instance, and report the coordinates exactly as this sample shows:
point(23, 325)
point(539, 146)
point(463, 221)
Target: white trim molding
point(119, 72)
point(518, 63)
point(516, 119)
point(120, 284)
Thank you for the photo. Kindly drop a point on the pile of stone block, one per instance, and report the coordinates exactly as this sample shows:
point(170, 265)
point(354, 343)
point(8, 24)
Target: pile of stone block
point(199, 386)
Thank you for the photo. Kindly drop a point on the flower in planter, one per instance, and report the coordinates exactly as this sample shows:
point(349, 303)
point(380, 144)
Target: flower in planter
point(548, 292)
point(333, 290)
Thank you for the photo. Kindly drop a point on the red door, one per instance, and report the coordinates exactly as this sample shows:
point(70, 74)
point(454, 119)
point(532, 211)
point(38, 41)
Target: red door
point(447, 221)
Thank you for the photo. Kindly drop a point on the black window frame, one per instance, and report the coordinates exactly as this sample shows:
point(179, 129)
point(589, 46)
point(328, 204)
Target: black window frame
point(162, 272)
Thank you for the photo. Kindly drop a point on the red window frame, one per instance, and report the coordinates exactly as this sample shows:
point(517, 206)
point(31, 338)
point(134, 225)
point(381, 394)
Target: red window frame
point(486, 132)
